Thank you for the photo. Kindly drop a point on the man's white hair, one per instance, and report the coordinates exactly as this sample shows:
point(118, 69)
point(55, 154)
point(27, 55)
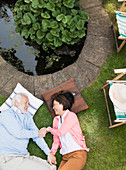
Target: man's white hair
point(17, 97)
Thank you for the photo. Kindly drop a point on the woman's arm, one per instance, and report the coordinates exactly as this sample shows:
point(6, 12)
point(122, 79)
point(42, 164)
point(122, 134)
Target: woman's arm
point(55, 145)
point(69, 121)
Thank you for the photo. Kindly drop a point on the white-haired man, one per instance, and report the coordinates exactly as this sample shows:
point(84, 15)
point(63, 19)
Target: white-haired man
point(16, 128)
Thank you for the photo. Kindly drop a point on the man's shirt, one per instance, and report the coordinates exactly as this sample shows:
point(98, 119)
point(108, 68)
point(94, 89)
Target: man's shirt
point(15, 131)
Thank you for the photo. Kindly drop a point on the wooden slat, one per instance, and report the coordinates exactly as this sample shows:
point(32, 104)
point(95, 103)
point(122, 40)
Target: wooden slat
point(121, 0)
point(120, 47)
point(116, 81)
point(116, 78)
point(120, 70)
point(116, 125)
point(109, 116)
point(124, 121)
point(124, 3)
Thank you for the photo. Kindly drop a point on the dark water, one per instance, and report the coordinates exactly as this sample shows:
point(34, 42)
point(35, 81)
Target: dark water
point(11, 41)
point(31, 59)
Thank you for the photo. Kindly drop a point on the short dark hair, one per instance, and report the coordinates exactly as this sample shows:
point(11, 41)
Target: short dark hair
point(65, 98)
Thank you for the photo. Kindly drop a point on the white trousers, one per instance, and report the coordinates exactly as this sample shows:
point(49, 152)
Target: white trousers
point(27, 162)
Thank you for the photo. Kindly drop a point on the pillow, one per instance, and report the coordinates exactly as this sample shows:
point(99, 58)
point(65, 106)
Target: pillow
point(69, 85)
point(120, 114)
point(35, 103)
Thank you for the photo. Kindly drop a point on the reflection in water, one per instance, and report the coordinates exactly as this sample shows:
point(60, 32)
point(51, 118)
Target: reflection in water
point(3, 12)
point(9, 56)
point(11, 40)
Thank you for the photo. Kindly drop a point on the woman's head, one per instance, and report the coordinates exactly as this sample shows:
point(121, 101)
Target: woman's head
point(64, 98)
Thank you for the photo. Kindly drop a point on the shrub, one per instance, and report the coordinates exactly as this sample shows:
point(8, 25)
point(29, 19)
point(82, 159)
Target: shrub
point(50, 23)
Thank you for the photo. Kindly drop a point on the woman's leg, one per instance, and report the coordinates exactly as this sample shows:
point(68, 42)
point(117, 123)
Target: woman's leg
point(63, 161)
point(73, 161)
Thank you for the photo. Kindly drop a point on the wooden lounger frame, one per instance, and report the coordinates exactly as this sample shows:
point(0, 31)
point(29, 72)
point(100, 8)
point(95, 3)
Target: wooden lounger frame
point(121, 72)
point(115, 34)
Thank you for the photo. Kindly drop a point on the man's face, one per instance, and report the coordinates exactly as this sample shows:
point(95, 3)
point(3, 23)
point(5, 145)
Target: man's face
point(23, 104)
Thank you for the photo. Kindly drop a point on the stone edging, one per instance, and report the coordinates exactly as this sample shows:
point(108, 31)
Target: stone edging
point(98, 45)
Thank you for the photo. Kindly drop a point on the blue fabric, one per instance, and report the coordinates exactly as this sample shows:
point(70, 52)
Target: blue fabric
point(113, 83)
point(121, 116)
point(15, 131)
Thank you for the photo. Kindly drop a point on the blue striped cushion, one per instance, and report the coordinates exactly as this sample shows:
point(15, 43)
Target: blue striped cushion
point(120, 114)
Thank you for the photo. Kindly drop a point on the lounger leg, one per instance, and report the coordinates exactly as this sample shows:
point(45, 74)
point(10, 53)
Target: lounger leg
point(110, 122)
point(123, 43)
point(118, 124)
point(124, 3)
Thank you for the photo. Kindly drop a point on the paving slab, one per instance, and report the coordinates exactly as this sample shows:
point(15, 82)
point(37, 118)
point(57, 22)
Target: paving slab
point(29, 84)
point(84, 4)
point(7, 72)
point(12, 82)
point(2, 61)
point(95, 57)
point(78, 75)
point(42, 83)
point(96, 13)
point(91, 71)
point(59, 77)
point(99, 28)
point(98, 43)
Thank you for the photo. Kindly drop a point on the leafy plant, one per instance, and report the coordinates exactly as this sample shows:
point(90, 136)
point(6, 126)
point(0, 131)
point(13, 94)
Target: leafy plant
point(50, 60)
point(50, 23)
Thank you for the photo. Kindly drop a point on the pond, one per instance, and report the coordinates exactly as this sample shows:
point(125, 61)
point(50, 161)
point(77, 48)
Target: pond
point(30, 58)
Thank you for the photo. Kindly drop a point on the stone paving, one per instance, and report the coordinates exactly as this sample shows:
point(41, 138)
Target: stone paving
point(98, 45)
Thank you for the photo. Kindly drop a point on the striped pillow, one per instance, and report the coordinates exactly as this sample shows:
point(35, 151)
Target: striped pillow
point(35, 103)
point(120, 114)
point(69, 85)
point(121, 21)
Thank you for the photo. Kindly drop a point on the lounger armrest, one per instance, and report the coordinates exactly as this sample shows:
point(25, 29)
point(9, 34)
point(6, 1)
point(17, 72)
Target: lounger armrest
point(121, 0)
point(116, 81)
point(120, 70)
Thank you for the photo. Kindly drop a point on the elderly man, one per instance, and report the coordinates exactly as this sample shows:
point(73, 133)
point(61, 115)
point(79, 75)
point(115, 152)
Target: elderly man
point(16, 128)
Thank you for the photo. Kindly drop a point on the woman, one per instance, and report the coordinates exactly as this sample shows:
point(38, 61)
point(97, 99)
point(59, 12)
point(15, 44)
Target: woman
point(67, 133)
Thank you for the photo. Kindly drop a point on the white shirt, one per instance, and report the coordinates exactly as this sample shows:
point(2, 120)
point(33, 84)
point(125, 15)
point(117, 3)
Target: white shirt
point(67, 141)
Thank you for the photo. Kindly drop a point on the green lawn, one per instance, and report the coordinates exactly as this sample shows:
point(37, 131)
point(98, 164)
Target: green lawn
point(107, 147)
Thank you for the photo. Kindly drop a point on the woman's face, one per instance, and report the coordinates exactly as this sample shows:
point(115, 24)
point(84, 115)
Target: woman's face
point(58, 108)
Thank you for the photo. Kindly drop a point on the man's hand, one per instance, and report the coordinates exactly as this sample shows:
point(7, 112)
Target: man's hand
point(42, 132)
point(51, 159)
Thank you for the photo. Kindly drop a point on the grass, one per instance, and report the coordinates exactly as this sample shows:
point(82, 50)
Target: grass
point(110, 6)
point(107, 147)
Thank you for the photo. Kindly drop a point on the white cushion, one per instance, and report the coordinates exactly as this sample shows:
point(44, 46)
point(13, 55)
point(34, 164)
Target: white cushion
point(35, 103)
